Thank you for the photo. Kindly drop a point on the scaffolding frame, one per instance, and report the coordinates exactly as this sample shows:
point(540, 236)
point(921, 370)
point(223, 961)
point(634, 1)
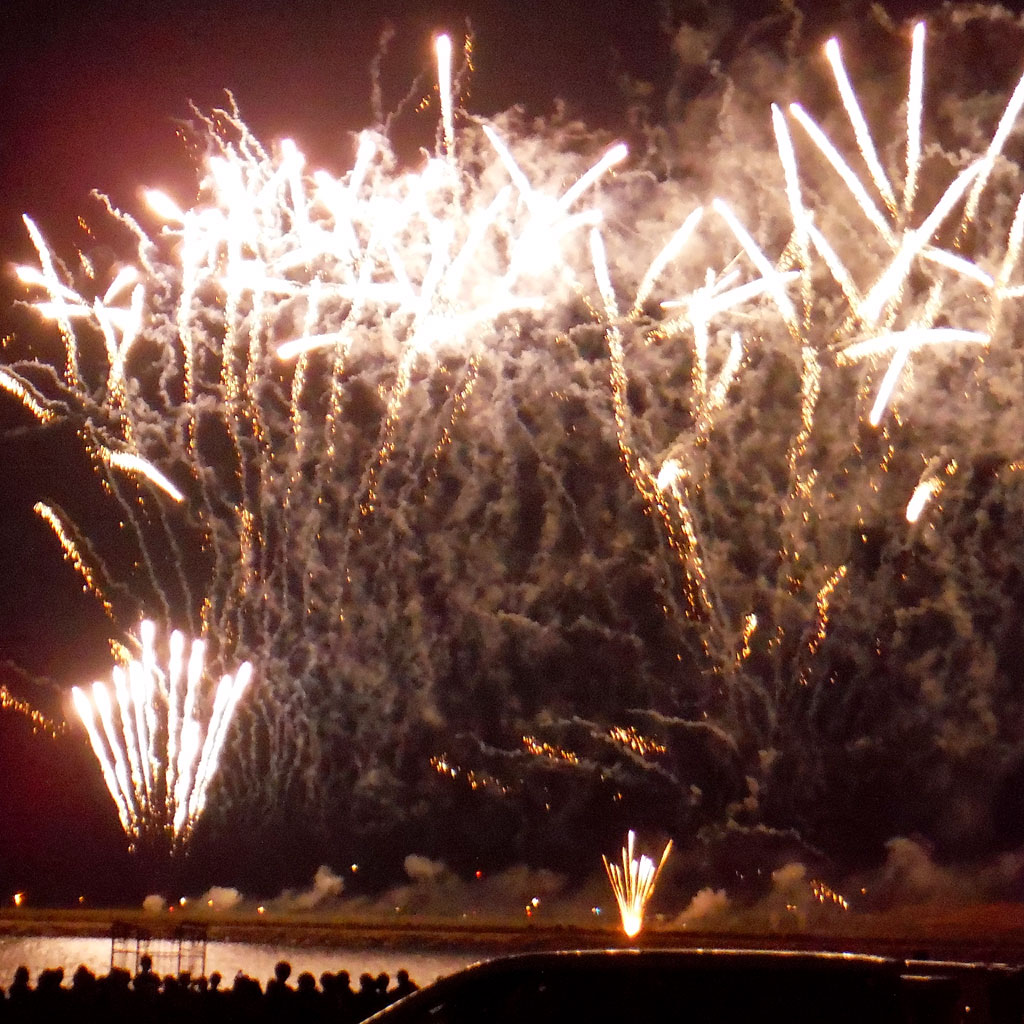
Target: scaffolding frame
point(181, 951)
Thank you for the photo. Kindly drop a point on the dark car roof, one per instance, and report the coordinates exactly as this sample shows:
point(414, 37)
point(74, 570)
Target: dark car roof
point(852, 983)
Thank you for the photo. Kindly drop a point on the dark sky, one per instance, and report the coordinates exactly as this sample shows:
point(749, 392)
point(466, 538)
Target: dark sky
point(89, 93)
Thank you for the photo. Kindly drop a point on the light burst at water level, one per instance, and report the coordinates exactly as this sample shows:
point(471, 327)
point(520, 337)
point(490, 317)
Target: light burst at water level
point(633, 883)
point(158, 741)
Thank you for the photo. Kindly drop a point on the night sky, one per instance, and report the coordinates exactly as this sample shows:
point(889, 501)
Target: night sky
point(92, 94)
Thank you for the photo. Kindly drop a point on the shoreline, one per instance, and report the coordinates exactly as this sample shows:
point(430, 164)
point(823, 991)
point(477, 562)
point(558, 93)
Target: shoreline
point(990, 935)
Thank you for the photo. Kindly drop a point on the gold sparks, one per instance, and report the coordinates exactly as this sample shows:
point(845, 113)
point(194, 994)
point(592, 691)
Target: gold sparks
point(247, 541)
point(821, 604)
point(21, 392)
point(555, 753)
point(53, 519)
point(629, 737)
point(823, 894)
point(633, 883)
point(40, 722)
point(475, 780)
point(749, 626)
point(928, 488)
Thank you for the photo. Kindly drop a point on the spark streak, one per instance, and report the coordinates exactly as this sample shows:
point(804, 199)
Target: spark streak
point(128, 462)
point(443, 47)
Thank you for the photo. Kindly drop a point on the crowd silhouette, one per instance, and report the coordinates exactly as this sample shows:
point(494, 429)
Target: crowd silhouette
point(148, 998)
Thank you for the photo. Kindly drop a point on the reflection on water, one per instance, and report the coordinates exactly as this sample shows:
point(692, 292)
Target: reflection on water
point(38, 953)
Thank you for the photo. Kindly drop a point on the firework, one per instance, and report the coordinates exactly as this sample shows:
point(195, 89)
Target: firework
point(40, 722)
point(884, 324)
point(358, 430)
point(633, 883)
point(629, 737)
point(220, 381)
point(157, 747)
point(825, 895)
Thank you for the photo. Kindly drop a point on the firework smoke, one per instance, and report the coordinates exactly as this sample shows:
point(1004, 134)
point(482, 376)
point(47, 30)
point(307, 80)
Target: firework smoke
point(542, 450)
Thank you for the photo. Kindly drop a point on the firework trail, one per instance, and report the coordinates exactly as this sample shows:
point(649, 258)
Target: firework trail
point(367, 432)
point(633, 883)
point(157, 754)
point(40, 722)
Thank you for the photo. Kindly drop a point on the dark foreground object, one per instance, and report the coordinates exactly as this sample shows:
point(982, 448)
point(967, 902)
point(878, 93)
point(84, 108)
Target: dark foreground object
point(148, 998)
point(716, 987)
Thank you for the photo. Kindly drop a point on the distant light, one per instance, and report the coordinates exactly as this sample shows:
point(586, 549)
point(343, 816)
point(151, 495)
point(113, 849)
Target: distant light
point(479, 874)
point(355, 868)
point(182, 901)
point(81, 899)
point(261, 910)
point(535, 902)
point(209, 903)
point(19, 898)
point(596, 911)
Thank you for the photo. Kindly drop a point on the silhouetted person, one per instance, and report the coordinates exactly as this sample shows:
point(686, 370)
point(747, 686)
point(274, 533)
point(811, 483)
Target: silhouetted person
point(245, 1001)
point(115, 997)
point(341, 1000)
point(50, 1003)
point(176, 1000)
point(308, 1001)
point(146, 986)
point(279, 992)
point(404, 985)
point(19, 998)
point(366, 997)
point(83, 997)
point(214, 999)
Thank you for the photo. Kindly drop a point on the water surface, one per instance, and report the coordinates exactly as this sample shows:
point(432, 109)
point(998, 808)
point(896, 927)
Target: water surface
point(255, 959)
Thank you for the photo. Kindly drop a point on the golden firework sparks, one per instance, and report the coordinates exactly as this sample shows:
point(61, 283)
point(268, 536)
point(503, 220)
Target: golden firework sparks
point(633, 883)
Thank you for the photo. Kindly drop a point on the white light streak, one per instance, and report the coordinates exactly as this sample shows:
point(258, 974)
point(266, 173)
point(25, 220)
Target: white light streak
point(128, 462)
point(159, 758)
point(633, 883)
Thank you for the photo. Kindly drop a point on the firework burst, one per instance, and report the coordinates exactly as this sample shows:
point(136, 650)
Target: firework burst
point(633, 883)
point(359, 433)
point(212, 380)
point(158, 747)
